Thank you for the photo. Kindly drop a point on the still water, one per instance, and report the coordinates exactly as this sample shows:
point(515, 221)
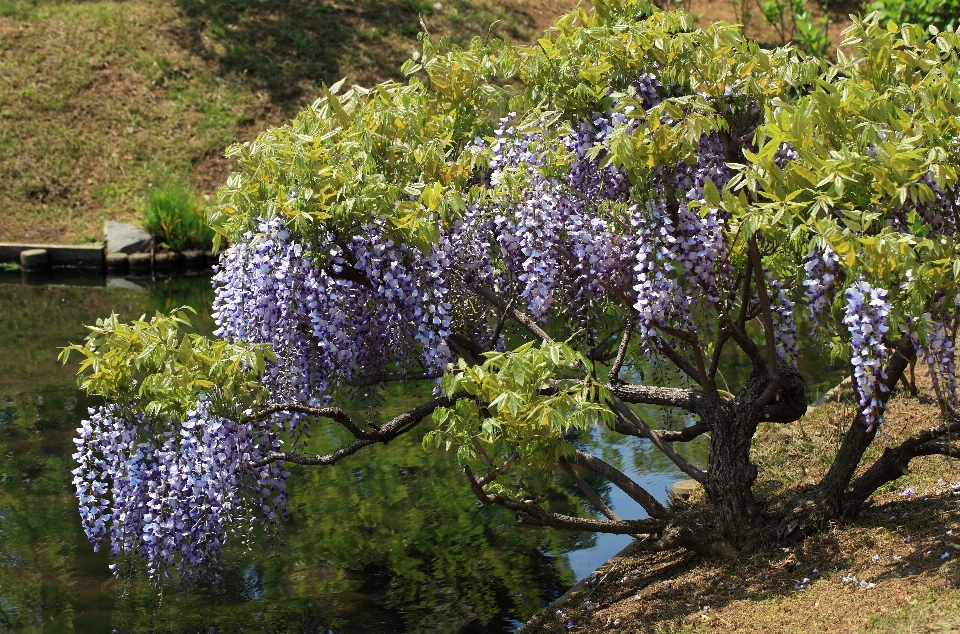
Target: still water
point(389, 540)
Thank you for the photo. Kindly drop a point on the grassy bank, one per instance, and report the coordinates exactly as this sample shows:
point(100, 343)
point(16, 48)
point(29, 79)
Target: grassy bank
point(893, 568)
point(101, 101)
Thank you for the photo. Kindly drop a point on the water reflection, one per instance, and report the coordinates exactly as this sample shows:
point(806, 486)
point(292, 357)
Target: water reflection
point(390, 540)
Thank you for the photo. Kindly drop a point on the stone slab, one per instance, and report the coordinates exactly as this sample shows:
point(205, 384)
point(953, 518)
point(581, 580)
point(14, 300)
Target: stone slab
point(83, 256)
point(34, 259)
point(684, 489)
point(123, 237)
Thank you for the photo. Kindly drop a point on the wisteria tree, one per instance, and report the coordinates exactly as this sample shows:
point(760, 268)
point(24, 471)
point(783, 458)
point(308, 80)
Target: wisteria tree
point(527, 226)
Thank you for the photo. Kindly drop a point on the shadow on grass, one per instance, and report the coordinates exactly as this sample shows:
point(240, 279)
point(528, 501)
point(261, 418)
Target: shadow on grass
point(287, 47)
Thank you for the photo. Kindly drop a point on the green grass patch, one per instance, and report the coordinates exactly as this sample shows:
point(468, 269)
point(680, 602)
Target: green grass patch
point(174, 216)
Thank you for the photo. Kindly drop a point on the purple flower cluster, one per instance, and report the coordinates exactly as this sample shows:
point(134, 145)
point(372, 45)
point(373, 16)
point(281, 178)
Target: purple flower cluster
point(866, 318)
point(822, 268)
point(371, 303)
point(553, 239)
point(175, 490)
point(176, 496)
point(784, 324)
point(939, 353)
point(681, 258)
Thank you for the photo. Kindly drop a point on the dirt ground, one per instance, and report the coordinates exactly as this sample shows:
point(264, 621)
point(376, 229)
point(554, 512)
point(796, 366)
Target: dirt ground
point(895, 567)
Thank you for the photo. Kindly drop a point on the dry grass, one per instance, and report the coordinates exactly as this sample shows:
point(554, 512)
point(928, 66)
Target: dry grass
point(893, 568)
point(101, 100)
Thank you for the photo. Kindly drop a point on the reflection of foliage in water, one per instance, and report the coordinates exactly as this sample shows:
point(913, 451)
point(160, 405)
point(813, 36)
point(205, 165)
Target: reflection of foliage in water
point(372, 543)
point(41, 546)
point(369, 545)
point(36, 320)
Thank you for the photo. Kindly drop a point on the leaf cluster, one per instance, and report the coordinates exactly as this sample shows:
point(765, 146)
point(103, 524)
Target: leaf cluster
point(867, 135)
point(166, 372)
point(391, 153)
point(528, 400)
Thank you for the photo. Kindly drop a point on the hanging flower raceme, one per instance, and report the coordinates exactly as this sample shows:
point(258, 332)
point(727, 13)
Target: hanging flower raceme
point(822, 268)
point(866, 318)
point(174, 498)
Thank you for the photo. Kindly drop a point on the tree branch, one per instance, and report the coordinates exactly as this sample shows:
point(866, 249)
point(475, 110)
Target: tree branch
point(519, 316)
point(499, 471)
point(467, 348)
point(528, 512)
point(588, 491)
point(350, 274)
point(384, 434)
point(620, 408)
point(684, 398)
point(614, 374)
point(717, 351)
point(667, 350)
point(895, 461)
point(333, 413)
point(827, 499)
point(686, 434)
point(624, 483)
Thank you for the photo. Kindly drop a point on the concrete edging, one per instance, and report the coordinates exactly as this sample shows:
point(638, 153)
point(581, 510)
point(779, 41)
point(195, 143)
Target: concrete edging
point(78, 256)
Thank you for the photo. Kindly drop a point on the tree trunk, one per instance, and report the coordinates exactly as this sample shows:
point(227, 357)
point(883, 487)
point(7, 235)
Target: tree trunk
point(731, 475)
point(829, 499)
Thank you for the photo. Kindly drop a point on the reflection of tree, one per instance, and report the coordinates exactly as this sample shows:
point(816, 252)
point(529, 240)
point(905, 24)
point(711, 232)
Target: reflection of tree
point(371, 543)
point(40, 536)
point(437, 552)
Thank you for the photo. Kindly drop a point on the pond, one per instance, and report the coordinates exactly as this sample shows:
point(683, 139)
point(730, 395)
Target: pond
point(390, 540)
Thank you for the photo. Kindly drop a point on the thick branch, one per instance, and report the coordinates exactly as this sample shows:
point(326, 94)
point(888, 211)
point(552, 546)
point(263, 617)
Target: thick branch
point(747, 345)
point(528, 512)
point(624, 483)
point(686, 434)
point(469, 350)
point(688, 399)
point(827, 499)
point(588, 491)
point(895, 461)
point(745, 296)
point(384, 434)
point(351, 275)
point(682, 435)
